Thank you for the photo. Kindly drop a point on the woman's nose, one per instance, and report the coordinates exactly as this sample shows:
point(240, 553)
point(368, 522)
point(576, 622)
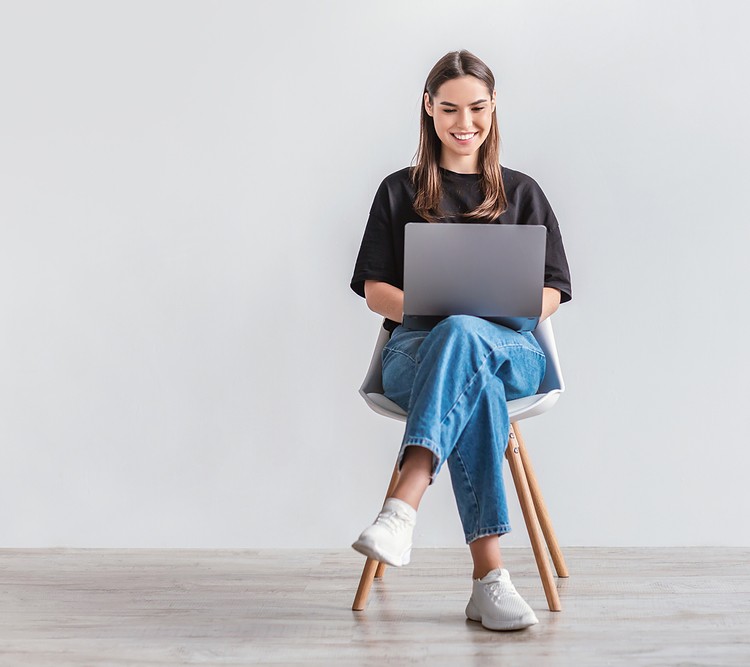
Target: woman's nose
point(464, 119)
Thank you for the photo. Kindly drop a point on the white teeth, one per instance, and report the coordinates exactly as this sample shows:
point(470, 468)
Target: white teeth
point(463, 137)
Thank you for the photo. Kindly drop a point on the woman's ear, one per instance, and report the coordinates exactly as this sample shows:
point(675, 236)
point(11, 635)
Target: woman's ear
point(427, 105)
point(494, 99)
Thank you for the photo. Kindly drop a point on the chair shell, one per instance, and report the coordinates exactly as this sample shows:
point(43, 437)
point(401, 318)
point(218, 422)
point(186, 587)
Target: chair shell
point(521, 408)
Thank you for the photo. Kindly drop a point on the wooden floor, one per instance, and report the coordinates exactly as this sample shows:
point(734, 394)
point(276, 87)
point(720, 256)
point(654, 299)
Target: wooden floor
point(288, 607)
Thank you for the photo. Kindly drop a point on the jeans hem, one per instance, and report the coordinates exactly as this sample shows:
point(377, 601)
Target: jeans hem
point(427, 444)
point(500, 529)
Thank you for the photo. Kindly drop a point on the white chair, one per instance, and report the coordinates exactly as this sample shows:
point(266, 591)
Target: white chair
point(532, 504)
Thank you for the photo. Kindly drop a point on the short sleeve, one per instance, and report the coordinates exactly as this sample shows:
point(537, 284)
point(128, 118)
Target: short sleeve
point(556, 271)
point(376, 259)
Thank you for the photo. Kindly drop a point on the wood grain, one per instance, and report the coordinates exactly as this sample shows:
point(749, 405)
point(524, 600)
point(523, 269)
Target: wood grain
point(686, 606)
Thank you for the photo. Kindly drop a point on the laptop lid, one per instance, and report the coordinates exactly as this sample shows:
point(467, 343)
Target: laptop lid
point(493, 271)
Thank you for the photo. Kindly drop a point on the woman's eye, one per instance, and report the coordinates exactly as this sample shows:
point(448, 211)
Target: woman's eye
point(453, 110)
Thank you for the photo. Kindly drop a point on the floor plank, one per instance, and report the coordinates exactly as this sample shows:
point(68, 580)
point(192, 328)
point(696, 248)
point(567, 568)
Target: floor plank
point(293, 607)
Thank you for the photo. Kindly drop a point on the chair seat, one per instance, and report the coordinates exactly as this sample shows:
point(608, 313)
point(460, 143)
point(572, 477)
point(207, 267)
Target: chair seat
point(385, 406)
point(519, 408)
point(549, 390)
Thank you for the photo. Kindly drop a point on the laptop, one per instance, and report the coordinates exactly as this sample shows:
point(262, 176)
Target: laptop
point(493, 271)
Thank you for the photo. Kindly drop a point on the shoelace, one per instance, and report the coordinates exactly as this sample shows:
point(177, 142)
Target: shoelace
point(392, 520)
point(501, 589)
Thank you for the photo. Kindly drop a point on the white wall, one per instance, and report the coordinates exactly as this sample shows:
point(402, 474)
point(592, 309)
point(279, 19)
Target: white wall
point(183, 190)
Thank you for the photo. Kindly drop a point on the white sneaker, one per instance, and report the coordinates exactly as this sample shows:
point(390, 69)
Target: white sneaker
point(388, 540)
point(497, 605)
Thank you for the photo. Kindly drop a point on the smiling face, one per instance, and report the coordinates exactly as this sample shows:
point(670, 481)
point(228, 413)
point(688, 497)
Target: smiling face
point(462, 111)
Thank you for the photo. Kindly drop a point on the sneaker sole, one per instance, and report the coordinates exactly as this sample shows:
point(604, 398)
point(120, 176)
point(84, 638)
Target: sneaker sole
point(473, 614)
point(372, 551)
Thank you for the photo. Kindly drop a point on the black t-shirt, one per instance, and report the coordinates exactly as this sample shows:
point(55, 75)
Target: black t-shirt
point(381, 254)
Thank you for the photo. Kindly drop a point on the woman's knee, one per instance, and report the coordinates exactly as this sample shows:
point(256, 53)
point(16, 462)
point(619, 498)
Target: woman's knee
point(471, 327)
point(459, 323)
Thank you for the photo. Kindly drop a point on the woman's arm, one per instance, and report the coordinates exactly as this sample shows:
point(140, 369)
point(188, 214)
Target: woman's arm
point(385, 299)
point(388, 301)
point(550, 302)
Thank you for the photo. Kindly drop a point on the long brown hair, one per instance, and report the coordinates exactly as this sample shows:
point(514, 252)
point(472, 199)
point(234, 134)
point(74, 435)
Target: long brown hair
point(426, 175)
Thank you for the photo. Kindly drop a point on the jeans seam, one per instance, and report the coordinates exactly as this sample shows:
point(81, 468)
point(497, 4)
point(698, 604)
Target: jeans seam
point(457, 449)
point(408, 356)
point(479, 370)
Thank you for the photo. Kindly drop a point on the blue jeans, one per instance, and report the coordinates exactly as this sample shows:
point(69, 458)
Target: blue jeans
point(453, 382)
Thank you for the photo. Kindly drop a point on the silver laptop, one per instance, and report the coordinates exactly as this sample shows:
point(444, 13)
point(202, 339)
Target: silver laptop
point(493, 271)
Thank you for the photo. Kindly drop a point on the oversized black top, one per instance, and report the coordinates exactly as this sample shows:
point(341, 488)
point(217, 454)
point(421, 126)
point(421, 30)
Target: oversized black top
point(381, 254)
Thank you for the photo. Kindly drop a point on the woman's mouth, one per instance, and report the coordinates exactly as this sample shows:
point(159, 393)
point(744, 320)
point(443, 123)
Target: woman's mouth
point(464, 137)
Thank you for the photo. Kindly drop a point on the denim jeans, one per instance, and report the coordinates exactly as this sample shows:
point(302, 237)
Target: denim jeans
point(454, 381)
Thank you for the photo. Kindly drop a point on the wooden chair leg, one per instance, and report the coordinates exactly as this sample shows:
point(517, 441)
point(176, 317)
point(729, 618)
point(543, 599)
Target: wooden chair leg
point(365, 583)
point(372, 569)
point(513, 454)
point(541, 508)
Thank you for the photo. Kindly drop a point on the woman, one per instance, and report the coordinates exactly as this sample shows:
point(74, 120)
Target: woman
point(454, 380)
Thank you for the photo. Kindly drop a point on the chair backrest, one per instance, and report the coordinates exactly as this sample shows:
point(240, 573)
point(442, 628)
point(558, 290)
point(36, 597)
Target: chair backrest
point(373, 382)
point(553, 379)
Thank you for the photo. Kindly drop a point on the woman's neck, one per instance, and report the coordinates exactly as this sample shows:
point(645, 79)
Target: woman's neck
point(461, 164)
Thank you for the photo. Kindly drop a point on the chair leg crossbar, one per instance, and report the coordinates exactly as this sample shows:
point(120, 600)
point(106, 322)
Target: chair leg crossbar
point(535, 516)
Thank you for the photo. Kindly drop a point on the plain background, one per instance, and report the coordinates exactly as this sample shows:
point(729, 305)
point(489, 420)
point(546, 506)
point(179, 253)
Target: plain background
point(183, 191)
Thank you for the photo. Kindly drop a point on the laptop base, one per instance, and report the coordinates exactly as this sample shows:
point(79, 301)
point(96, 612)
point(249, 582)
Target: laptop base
point(427, 322)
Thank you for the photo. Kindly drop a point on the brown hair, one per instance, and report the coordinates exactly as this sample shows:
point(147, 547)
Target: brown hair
point(426, 176)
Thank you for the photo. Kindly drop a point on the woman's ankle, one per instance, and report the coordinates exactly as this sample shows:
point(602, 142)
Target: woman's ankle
point(485, 552)
point(484, 570)
point(414, 477)
point(411, 498)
